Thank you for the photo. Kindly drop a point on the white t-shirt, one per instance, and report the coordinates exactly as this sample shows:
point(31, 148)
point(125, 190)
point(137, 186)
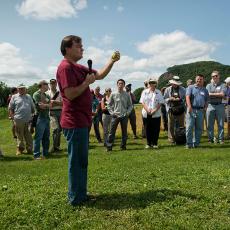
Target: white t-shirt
point(152, 100)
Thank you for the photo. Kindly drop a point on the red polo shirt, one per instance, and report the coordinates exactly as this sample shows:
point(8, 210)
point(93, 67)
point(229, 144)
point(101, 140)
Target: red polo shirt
point(78, 112)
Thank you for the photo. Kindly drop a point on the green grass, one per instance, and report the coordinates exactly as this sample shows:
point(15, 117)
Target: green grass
point(169, 188)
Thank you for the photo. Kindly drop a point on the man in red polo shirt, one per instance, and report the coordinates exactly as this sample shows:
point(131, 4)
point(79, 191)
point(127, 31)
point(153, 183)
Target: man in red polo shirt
point(74, 80)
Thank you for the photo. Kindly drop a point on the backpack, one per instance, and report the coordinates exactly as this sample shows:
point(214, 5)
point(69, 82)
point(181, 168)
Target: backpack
point(180, 135)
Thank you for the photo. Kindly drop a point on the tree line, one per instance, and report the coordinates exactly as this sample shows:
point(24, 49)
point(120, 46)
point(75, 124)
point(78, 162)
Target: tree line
point(185, 72)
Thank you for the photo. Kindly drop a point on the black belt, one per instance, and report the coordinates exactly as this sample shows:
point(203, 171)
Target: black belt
point(197, 107)
point(215, 103)
point(55, 109)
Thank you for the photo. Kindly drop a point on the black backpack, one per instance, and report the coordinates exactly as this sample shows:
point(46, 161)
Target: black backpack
point(180, 135)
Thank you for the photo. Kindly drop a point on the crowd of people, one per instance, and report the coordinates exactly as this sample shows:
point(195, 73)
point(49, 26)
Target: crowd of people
point(187, 109)
point(74, 108)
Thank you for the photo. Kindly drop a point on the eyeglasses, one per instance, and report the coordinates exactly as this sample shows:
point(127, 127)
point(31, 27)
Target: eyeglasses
point(215, 76)
point(107, 91)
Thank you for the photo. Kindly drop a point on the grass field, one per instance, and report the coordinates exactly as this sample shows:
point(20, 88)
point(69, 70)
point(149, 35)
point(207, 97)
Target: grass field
point(168, 188)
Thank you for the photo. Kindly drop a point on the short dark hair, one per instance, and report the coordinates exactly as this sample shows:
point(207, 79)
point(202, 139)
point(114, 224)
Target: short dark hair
point(200, 75)
point(13, 90)
point(67, 42)
point(53, 80)
point(121, 80)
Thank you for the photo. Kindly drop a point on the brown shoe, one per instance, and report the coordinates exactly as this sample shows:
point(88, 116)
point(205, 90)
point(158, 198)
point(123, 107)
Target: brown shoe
point(19, 152)
point(29, 151)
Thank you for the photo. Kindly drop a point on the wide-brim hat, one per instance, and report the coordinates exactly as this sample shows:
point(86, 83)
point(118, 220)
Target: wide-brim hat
point(227, 80)
point(152, 80)
point(21, 86)
point(175, 81)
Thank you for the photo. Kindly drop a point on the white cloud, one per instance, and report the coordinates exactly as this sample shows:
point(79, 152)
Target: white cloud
point(159, 52)
point(50, 9)
point(15, 69)
point(169, 49)
point(80, 4)
point(126, 68)
point(120, 9)
point(107, 39)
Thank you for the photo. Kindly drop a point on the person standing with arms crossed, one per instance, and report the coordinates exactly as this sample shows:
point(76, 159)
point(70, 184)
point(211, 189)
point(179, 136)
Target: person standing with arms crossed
point(215, 110)
point(74, 80)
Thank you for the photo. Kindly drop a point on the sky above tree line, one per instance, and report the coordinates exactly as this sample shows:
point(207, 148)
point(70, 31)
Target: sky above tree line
point(151, 35)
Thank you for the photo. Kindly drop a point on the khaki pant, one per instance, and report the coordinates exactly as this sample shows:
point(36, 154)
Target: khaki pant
point(173, 121)
point(23, 134)
point(55, 117)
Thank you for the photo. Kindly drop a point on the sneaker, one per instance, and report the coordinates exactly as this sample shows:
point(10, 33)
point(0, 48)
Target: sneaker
point(56, 149)
point(147, 147)
point(37, 158)
point(221, 142)
point(89, 198)
point(188, 147)
point(135, 137)
point(155, 147)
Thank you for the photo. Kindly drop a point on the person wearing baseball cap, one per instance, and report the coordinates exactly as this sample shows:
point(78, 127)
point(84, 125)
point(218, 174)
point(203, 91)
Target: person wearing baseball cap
point(215, 110)
point(21, 108)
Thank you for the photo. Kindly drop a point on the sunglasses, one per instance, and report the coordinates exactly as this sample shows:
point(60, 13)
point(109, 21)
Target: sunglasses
point(215, 76)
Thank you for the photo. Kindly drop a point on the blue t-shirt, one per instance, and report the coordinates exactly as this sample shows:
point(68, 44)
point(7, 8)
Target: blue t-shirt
point(198, 95)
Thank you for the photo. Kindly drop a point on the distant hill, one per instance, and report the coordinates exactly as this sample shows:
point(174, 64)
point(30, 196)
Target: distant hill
point(189, 71)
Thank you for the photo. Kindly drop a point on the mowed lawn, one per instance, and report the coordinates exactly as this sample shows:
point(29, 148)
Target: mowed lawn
point(168, 188)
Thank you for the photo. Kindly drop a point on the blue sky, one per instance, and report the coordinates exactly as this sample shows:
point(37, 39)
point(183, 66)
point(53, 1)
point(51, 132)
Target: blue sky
point(151, 35)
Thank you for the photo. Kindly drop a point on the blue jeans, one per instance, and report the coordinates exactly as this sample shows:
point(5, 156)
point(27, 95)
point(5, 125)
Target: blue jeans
point(78, 142)
point(215, 112)
point(194, 120)
point(42, 134)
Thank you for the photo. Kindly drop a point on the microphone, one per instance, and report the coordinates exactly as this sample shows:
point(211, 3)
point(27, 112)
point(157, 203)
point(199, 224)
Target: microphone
point(89, 62)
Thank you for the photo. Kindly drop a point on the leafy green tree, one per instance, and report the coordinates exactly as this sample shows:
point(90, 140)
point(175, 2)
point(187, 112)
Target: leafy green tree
point(31, 89)
point(189, 71)
point(137, 92)
point(4, 93)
